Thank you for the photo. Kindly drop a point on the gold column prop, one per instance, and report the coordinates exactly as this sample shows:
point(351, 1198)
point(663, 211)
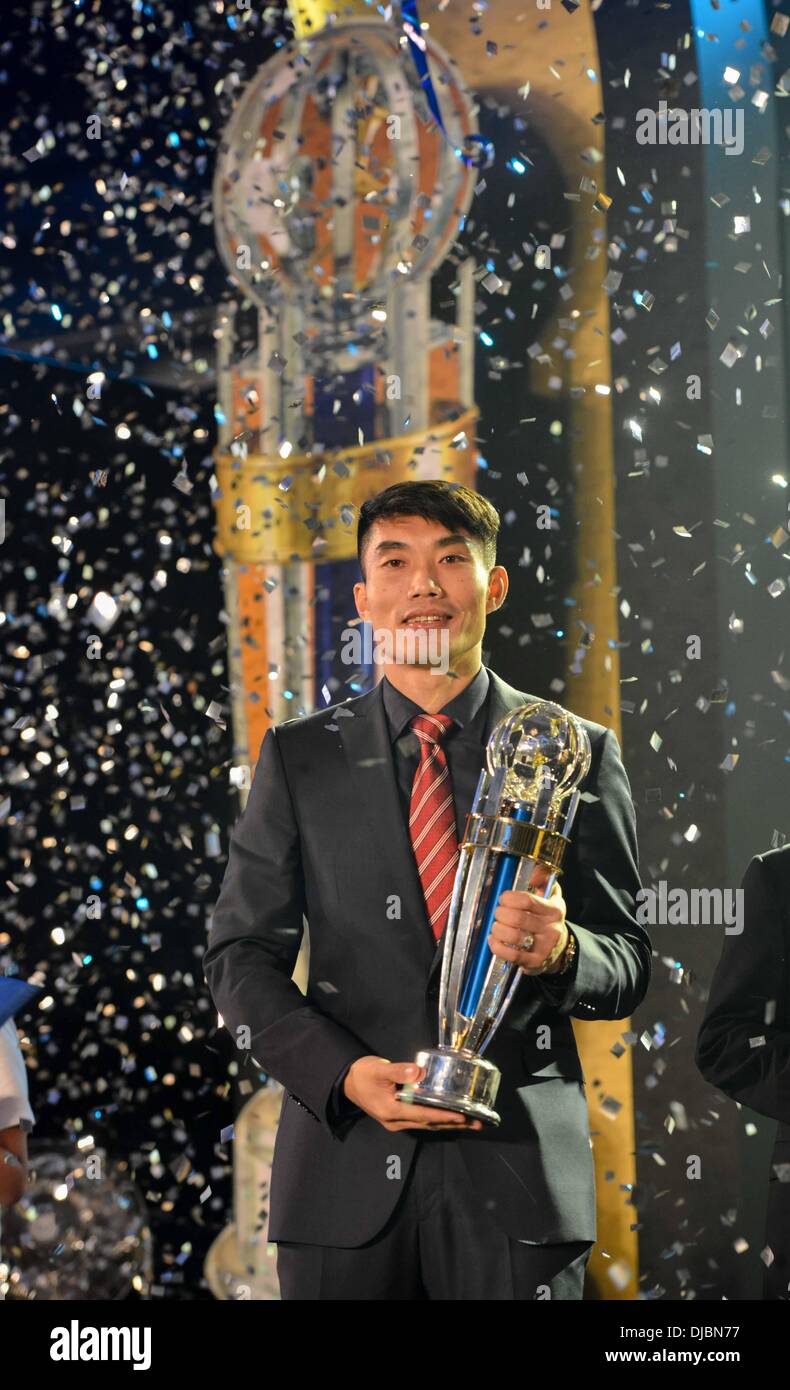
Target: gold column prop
point(271, 511)
point(308, 16)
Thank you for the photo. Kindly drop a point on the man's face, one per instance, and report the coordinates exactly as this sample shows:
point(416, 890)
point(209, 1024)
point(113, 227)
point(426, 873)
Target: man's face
point(414, 565)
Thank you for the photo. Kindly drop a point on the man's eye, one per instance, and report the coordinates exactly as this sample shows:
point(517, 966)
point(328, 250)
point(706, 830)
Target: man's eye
point(394, 561)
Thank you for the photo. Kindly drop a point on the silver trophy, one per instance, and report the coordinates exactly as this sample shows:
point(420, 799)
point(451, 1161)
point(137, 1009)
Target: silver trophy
point(523, 811)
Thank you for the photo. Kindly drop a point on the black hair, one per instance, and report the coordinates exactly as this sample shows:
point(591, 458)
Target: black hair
point(453, 505)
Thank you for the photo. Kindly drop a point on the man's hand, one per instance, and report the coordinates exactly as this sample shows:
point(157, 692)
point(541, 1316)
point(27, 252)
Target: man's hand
point(520, 915)
point(372, 1083)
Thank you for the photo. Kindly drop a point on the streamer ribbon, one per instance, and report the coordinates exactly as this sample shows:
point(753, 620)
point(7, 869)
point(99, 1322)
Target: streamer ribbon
point(418, 47)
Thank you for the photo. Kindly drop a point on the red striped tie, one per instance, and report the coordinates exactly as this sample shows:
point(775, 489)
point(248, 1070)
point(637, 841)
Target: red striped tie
point(432, 819)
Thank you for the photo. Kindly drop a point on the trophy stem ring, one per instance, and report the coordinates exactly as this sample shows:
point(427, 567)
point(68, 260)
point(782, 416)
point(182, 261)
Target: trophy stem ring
point(524, 807)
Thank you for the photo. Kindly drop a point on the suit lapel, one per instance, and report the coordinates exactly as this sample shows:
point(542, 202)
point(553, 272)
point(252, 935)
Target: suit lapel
point(365, 736)
point(366, 743)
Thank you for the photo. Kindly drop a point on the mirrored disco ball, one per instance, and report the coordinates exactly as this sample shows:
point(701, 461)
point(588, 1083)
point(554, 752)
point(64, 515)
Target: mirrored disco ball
point(331, 174)
point(80, 1231)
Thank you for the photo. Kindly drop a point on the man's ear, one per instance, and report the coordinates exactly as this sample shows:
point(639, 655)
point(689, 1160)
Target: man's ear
point(360, 597)
point(502, 589)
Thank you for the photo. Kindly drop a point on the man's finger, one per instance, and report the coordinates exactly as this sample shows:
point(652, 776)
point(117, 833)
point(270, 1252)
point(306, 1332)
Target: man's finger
point(522, 918)
point(401, 1072)
point(529, 960)
point(394, 1127)
point(534, 902)
point(508, 935)
point(424, 1114)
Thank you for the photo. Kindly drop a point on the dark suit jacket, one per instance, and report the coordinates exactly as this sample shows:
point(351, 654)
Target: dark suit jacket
point(752, 970)
point(323, 835)
point(755, 968)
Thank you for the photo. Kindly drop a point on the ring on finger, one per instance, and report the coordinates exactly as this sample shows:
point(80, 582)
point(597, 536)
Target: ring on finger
point(528, 942)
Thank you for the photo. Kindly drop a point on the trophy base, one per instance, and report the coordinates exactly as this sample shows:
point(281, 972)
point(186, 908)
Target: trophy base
point(455, 1080)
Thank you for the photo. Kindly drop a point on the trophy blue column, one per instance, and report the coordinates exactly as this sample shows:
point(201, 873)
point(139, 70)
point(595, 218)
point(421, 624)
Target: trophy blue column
point(504, 878)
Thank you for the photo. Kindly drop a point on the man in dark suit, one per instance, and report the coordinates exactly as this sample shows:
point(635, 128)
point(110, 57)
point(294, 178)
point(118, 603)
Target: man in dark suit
point(353, 822)
point(743, 1046)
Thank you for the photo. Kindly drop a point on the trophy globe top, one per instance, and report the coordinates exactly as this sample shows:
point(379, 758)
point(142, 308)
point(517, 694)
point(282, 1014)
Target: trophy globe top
point(539, 743)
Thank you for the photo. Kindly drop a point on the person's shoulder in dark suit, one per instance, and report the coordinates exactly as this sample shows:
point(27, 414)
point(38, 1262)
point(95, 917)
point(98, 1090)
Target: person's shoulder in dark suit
point(743, 1047)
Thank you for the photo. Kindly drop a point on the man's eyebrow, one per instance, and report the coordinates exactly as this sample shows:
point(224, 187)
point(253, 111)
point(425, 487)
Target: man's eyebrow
point(440, 544)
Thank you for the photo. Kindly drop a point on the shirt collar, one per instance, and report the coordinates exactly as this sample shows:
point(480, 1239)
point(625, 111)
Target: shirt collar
point(462, 708)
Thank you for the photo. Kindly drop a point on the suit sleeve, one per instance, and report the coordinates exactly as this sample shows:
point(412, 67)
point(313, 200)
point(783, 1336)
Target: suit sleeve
point(340, 1107)
point(740, 1048)
point(613, 957)
point(254, 940)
